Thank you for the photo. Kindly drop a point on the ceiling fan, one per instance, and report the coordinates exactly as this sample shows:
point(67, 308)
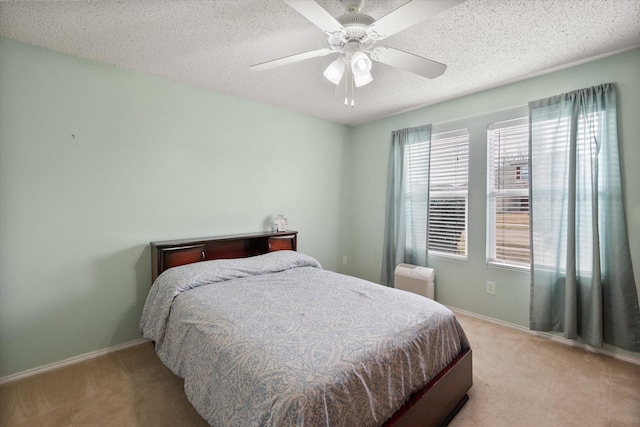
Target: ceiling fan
point(354, 36)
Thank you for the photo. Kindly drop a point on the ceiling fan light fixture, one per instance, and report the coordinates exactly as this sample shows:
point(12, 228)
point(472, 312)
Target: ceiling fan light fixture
point(362, 79)
point(335, 71)
point(360, 63)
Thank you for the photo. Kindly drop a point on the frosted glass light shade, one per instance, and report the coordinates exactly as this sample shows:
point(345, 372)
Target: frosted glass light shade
point(362, 79)
point(335, 71)
point(360, 63)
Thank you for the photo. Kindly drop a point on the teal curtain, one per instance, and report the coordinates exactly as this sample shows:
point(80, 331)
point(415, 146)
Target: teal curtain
point(582, 280)
point(405, 239)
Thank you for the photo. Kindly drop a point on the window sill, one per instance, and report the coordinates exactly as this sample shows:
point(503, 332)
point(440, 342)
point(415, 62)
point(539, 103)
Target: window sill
point(507, 266)
point(449, 257)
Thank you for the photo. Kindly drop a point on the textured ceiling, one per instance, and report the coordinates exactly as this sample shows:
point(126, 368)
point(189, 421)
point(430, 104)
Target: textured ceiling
point(211, 44)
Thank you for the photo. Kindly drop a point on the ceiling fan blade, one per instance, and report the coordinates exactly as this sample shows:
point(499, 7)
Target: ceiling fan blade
point(408, 15)
point(318, 16)
point(408, 61)
point(291, 59)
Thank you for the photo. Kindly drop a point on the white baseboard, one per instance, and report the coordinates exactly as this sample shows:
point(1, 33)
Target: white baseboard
point(70, 361)
point(552, 337)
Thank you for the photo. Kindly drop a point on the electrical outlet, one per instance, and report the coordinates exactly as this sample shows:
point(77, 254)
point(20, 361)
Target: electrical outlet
point(344, 260)
point(491, 288)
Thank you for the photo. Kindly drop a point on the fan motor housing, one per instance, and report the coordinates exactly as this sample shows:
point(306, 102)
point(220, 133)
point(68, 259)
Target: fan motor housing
point(355, 19)
point(355, 29)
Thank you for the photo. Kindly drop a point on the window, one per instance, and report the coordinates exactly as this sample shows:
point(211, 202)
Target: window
point(508, 193)
point(446, 173)
point(522, 172)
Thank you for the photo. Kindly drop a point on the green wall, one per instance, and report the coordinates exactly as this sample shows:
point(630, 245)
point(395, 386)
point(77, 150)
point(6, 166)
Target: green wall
point(462, 284)
point(96, 161)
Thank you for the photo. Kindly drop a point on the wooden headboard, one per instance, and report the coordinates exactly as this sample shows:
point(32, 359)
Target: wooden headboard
point(172, 253)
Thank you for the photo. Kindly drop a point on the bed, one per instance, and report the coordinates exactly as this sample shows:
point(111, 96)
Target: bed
point(262, 335)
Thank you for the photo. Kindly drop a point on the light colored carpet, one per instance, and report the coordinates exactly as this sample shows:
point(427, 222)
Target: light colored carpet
point(519, 380)
point(525, 380)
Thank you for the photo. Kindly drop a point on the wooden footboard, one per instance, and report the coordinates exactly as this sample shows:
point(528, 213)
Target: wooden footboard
point(441, 399)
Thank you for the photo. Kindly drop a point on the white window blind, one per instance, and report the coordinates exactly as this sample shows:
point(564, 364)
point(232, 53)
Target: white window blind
point(444, 177)
point(448, 191)
point(508, 193)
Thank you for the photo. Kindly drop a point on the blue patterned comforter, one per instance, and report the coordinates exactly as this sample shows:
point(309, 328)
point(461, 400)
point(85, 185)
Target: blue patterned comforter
point(274, 340)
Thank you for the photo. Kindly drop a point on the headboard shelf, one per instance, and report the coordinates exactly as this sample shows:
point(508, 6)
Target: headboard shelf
point(172, 253)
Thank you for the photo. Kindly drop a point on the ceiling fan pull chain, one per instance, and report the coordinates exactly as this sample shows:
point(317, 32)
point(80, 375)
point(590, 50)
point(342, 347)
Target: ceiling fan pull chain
point(353, 92)
point(348, 93)
point(349, 90)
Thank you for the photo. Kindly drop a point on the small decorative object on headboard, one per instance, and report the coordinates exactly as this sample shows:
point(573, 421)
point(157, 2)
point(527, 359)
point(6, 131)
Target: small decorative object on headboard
point(280, 223)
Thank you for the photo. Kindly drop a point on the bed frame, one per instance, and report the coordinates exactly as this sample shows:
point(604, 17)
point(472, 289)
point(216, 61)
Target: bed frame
point(434, 405)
